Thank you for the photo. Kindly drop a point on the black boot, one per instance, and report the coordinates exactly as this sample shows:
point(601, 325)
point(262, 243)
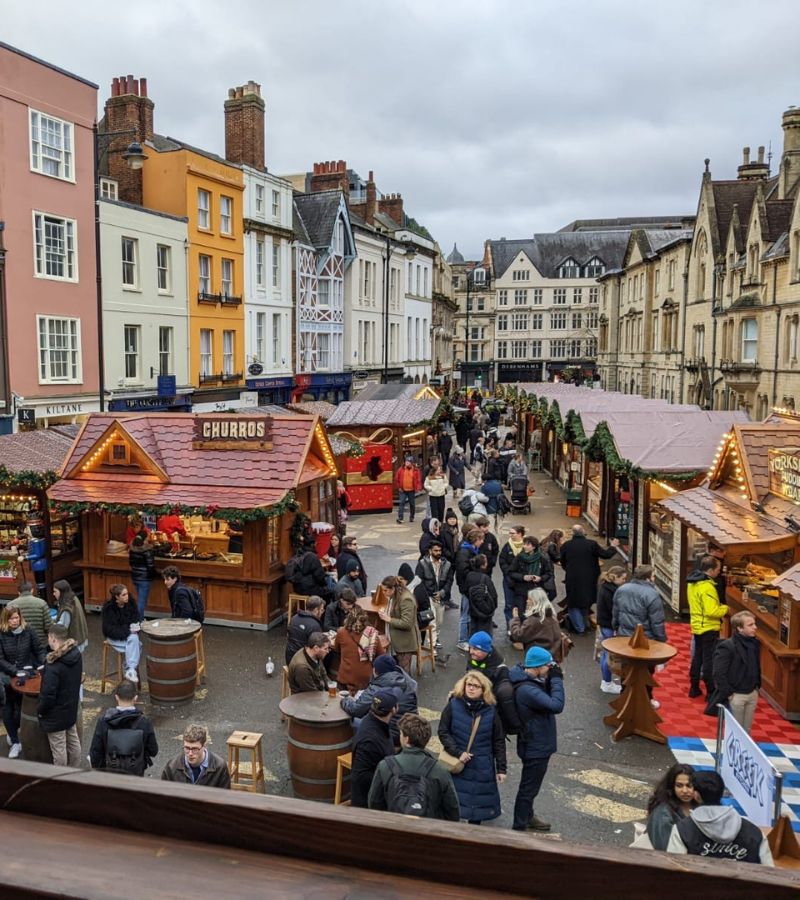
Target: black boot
point(694, 691)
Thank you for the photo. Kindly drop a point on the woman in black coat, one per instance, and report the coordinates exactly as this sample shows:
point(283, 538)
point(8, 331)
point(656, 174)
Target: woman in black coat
point(482, 595)
point(580, 559)
point(456, 468)
point(19, 647)
point(450, 535)
point(373, 743)
point(531, 568)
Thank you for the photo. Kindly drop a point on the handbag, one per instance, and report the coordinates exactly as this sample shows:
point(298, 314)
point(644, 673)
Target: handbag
point(452, 763)
point(641, 839)
point(566, 645)
point(424, 616)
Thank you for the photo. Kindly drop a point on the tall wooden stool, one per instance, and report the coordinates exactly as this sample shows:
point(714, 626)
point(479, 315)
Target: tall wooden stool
point(426, 653)
point(285, 691)
point(246, 776)
point(343, 762)
point(295, 602)
point(107, 673)
point(200, 649)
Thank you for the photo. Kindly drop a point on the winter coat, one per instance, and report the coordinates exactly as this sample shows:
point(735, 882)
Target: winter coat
point(478, 500)
point(520, 568)
point(720, 832)
point(143, 564)
point(402, 625)
point(180, 601)
point(517, 469)
point(494, 469)
point(482, 596)
point(400, 683)
point(353, 671)
point(354, 584)
point(341, 566)
point(442, 584)
point(436, 487)
point(115, 719)
point(445, 444)
point(580, 558)
point(660, 823)
point(639, 602)
point(496, 671)
point(539, 700)
point(491, 490)
point(307, 674)
point(737, 666)
point(536, 632)
point(464, 554)
point(442, 797)
point(507, 557)
point(605, 603)
point(302, 625)
point(309, 577)
point(455, 468)
point(476, 784)
point(60, 692)
point(19, 650)
point(216, 775)
point(429, 538)
point(372, 743)
point(416, 479)
point(77, 628)
point(554, 553)
point(334, 616)
point(491, 550)
point(451, 538)
point(705, 611)
point(117, 620)
point(36, 614)
point(463, 428)
point(475, 434)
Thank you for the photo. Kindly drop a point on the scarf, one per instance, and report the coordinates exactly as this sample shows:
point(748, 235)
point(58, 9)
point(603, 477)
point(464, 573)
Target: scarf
point(368, 646)
point(532, 561)
point(516, 546)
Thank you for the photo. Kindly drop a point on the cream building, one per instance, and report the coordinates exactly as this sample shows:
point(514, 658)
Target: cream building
point(443, 321)
point(473, 340)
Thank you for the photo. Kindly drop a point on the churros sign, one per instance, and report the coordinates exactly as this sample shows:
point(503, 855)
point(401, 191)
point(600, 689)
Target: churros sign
point(232, 433)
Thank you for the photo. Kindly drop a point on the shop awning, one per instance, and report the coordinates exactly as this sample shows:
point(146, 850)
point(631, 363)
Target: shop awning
point(789, 582)
point(727, 523)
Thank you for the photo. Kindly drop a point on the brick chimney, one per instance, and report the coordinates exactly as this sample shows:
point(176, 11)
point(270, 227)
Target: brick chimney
point(366, 207)
point(392, 206)
point(244, 126)
point(329, 176)
point(128, 109)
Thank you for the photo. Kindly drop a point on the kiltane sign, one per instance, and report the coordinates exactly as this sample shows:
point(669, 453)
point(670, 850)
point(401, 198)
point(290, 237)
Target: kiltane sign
point(784, 473)
point(232, 433)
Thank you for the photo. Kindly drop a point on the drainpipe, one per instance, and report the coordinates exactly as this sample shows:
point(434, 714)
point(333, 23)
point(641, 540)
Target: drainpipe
point(711, 379)
point(777, 334)
point(5, 378)
point(685, 303)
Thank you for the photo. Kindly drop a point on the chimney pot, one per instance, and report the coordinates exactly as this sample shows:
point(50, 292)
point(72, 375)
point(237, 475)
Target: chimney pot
point(115, 87)
point(136, 86)
point(231, 93)
point(371, 176)
point(342, 166)
point(129, 84)
point(745, 156)
point(761, 155)
point(143, 87)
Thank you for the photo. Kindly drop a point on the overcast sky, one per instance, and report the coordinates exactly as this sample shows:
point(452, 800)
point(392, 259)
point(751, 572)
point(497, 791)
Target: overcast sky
point(492, 119)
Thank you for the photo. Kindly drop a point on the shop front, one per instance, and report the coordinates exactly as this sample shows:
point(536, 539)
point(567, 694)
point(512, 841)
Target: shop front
point(272, 391)
point(219, 495)
point(515, 372)
point(333, 387)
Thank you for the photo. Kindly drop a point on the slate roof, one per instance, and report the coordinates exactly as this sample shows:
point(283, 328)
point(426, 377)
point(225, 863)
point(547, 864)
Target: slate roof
point(548, 251)
point(320, 408)
point(628, 222)
point(659, 239)
point(754, 441)
point(43, 450)
point(166, 144)
point(725, 522)
point(455, 256)
point(298, 226)
point(318, 213)
point(382, 412)
point(728, 194)
point(240, 479)
point(395, 390)
point(779, 218)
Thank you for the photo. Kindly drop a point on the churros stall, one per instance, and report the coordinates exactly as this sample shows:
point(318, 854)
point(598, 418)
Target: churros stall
point(218, 494)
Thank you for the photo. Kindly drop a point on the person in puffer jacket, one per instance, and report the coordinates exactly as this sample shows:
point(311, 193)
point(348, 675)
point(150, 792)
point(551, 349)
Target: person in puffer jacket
point(638, 602)
point(386, 676)
point(706, 615)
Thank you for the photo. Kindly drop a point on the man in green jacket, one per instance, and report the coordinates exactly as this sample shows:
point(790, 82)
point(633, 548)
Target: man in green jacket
point(414, 782)
point(35, 612)
point(706, 614)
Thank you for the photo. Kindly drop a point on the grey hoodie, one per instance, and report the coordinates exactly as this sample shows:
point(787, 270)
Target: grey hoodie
point(721, 824)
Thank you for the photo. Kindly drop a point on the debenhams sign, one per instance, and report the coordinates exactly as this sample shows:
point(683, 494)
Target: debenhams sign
point(232, 433)
point(784, 473)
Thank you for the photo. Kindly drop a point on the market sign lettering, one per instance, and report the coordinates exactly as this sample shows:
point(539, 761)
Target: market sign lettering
point(784, 473)
point(233, 433)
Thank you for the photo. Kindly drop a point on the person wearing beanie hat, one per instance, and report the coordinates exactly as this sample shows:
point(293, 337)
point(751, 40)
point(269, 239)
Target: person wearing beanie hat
point(372, 743)
point(351, 579)
point(406, 573)
point(539, 696)
point(387, 676)
point(482, 640)
point(483, 657)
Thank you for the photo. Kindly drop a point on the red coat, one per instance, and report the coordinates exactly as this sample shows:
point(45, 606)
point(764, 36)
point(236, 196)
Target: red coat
point(398, 479)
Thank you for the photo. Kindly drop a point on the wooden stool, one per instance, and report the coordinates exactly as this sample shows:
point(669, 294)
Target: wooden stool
point(345, 761)
point(285, 691)
point(253, 775)
point(200, 649)
point(105, 676)
point(295, 602)
point(426, 653)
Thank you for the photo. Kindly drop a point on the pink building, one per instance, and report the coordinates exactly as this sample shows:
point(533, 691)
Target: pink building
point(47, 207)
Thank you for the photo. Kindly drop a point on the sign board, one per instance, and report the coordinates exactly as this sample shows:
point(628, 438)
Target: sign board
point(361, 375)
point(784, 473)
point(233, 433)
point(167, 385)
point(26, 415)
point(747, 773)
point(255, 368)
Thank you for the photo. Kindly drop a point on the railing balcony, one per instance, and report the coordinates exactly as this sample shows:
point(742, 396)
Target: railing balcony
point(228, 377)
point(208, 297)
point(230, 300)
point(209, 379)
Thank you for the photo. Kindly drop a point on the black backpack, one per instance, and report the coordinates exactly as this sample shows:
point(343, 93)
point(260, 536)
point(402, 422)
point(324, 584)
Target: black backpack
point(125, 749)
point(408, 794)
point(467, 504)
point(481, 604)
point(198, 607)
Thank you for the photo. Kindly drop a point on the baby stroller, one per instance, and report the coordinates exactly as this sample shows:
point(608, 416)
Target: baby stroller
point(520, 500)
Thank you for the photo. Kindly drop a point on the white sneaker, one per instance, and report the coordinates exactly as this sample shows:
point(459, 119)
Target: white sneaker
point(131, 675)
point(610, 687)
point(655, 704)
point(15, 750)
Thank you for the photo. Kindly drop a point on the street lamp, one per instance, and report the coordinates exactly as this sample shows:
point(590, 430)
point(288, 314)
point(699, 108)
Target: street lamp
point(135, 157)
point(478, 276)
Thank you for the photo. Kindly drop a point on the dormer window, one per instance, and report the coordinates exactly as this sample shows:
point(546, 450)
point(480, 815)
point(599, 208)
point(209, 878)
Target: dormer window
point(569, 269)
point(594, 267)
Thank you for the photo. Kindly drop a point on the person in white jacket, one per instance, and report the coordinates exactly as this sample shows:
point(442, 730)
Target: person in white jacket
point(436, 486)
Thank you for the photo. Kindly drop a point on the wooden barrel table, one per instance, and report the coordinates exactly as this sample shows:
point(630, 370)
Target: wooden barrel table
point(171, 659)
point(319, 731)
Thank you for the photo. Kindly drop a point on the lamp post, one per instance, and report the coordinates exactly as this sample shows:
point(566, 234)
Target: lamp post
point(135, 157)
point(478, 276)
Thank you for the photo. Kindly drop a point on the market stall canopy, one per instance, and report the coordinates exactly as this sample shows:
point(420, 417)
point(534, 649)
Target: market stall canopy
point(224, 461)
point(320, 408)
point(42, 452)
point(383, 412)
point(398, 390)
point(728, 523)
point(789, 582)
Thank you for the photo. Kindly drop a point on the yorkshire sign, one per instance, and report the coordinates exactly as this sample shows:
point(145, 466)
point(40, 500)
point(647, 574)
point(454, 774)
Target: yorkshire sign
point(784, 473)
point(232, 433)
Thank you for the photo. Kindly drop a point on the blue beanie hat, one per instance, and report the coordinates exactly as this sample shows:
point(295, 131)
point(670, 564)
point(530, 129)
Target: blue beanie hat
point(383, 664)
point(537, 656)
point(481, 640)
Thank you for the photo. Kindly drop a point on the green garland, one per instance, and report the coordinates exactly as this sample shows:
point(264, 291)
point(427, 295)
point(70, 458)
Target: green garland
point(287, 504)
point(27, 478)
point(601, 447)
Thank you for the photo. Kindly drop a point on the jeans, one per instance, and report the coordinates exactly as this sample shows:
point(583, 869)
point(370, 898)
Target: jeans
point(12, 713)
point(576, 619)
point(508, 596)
point(703, 647)
point(142, 593)
point(437, 508)
point(463, 622)
point(132, 648)
point(407, 497)
point(533, 772)
point(65, 747)
point(605, 670)
point(743, 708)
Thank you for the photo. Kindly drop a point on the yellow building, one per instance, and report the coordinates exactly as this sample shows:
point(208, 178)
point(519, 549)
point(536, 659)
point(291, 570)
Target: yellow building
point(207, 190)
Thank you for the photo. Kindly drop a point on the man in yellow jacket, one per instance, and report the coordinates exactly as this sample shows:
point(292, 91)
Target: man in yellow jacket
point(706, 614)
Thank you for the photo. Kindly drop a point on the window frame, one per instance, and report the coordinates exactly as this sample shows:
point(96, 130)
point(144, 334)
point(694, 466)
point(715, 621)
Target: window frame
point(200, 277)
point(226, 267)
point(133, 354)
point(132, 264)
point(70, 247)
point(748, 340)
point(163, 354)
point(206, 355)
point(228, 352)
point(166, 268)
point(68, 155)
point(226, 215)
point(203, 212)
point(44, 368)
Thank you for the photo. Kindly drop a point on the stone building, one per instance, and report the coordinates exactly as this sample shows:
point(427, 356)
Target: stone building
point(473, 341)
point(443, 321)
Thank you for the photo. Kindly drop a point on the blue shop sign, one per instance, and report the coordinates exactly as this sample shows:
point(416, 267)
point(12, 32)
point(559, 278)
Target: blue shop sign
point(268, 384)
point(179, 403)
point(343, 379)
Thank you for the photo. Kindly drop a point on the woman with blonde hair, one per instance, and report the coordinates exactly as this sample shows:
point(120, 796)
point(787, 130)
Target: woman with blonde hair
point(470, 729)
point(540, 626)
point(357, 643)
point(19, 648)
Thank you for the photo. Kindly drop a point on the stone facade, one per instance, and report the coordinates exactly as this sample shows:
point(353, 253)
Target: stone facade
point(443, 322)
point(473, 340)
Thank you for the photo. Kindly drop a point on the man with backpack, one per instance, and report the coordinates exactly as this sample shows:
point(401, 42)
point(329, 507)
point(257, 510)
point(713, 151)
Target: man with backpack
point(124, 739)
point(469, 548)
point(184, 602)
point(484, 657)
point(414, 782)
